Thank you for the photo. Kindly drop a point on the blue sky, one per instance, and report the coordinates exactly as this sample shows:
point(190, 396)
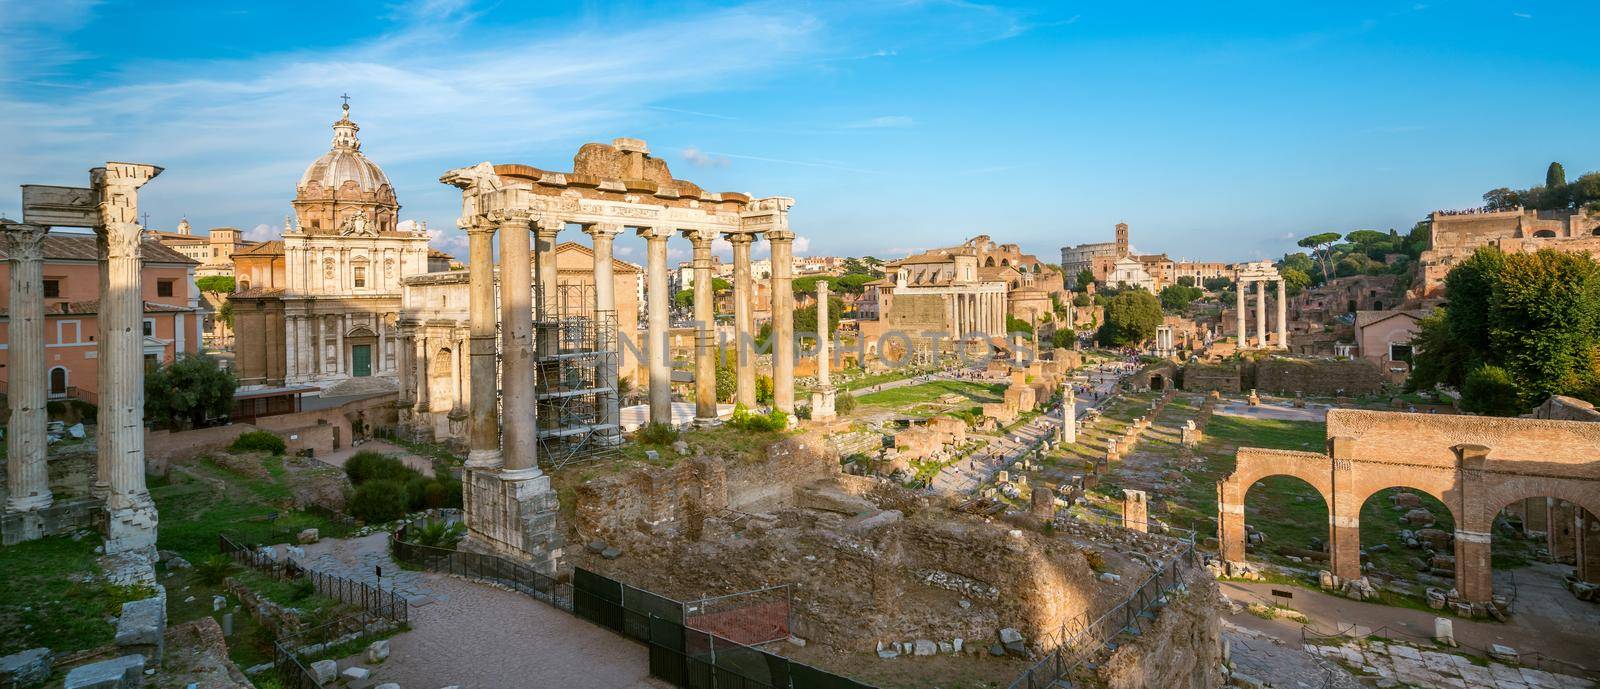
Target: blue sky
point(1217, 130)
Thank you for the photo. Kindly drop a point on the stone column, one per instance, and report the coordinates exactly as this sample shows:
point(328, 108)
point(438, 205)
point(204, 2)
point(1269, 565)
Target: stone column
point(1588, 546)
point(338, 339)
point(656, 307)
point(1069, 415)
point(27, 475)
point(549, 294)
point(822, 397)
point(705, 362)
point(484, 440)
point(423, 401)
point(455, 376)
point(1474, 573)
point(605, 307)
point(1283, 320)
point(130, 513)
point(782, 241)
point(405, 354)
point(743, 292)
point(1261, 314)
point(1239, 290)
point(519, 432)
point(104, 346)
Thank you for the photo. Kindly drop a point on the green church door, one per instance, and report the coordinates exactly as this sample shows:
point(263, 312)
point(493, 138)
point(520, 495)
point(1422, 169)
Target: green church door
point(361, 360)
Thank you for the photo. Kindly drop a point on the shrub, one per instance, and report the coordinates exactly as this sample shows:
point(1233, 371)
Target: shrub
point(369, 466)
point(301, 590)
point(444, 492)
point(1097, 562)
point(417, 491)
point(436, 533)
point(845, 403)
point(258, 441)
point(212, 570)
point(657, 434)
point(1490, 390)
point(379, 500)
point(746, 420)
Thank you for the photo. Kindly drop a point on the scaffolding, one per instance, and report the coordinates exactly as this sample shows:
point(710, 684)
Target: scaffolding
point(577, 359)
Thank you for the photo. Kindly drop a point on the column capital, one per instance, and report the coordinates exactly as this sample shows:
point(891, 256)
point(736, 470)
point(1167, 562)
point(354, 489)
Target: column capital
point(479, 224)
point(780, 236)
point(23, 242)
point(598, 230)
point(737, 238)
point(655, 232)
point(701, 238)
point(548, 225)
point(510, 216)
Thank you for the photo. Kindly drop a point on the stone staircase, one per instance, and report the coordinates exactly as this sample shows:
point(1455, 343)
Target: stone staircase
point(365, 386)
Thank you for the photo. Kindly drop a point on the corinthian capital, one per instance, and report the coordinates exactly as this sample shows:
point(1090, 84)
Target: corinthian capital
point(23, 242)
point(777, 236)
point(549, 225)
point(700, 238)
point(607, 230)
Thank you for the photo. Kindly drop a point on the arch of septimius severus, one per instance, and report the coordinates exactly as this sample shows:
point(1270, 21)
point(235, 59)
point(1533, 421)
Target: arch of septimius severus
point(109, 206)
point(1476, 466)
point(509, 503)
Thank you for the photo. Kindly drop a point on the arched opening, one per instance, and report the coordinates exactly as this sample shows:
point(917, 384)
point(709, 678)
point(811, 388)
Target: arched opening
point(1534, 545)
point(441, 394)
point(1157, 382)
point(58, 381)
point(1408, 536)
point(1285, 518)
point(1545, 234)
point(1352, 307)
point(1377, 305)
point(988, 262)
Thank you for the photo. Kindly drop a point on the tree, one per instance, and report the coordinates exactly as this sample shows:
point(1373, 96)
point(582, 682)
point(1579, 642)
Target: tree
point(1490, 390)
point(225, 313)
point(187, 392)
point(1177, 297)
point(1544, 323)
point(1081, 300)
point(1064, 338)
point(1555, 176)
point(1219, 283)
point(1131, 317)
point(1294, 280)
point(1186, 280)
point(1085, 278)
point(805, 320)
point(727, 377)
point(1436, 359)
point(215, 284)
point(1321, 245)
point(1502, 199)
point(1017, 325)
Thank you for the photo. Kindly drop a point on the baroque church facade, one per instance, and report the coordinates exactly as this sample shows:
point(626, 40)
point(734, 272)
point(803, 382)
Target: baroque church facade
point(344, 254)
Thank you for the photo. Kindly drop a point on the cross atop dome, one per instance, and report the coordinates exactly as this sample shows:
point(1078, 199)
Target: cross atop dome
point(344, 131)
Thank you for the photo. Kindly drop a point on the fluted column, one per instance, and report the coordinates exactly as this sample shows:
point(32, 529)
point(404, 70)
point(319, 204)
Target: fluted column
point(705, 362)
point(27, 475)
point(782, 241)
point(743, 292)
point(656, 307)
point(1261, 313)
point(484, 442)
point(548, 230)
point(405, 354)
point(605, 307)
point(1283, 321)
point(1239, 289)
point(131, 514)
point(822, 397)
point(521, 428)
point(105, 440)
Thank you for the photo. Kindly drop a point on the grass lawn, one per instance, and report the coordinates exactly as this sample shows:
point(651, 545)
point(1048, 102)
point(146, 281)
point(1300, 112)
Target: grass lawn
point(54, 597)
point(205, 499)
point(930, 392)
point(1195, 506)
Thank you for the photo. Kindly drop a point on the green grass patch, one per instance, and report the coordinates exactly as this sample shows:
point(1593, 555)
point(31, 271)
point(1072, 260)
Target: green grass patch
point(929, 392)
point(54, 596)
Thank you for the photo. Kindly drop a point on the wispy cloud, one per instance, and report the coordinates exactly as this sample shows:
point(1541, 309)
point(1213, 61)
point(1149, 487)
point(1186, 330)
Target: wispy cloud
point(234, 135)
point(699, 158)
point(696, 113)
point(883, 122)
point(802, 163)
point(1522, 15)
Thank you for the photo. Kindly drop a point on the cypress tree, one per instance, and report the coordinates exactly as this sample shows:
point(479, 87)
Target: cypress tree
point(1554, 177)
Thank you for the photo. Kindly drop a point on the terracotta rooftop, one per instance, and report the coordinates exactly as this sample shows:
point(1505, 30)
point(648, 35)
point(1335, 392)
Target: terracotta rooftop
point(81, 247)
point(271, 248)
point(92, 306)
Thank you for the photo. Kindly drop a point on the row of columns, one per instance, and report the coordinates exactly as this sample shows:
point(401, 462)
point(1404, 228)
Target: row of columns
point(414, 361)
point(310, 337)
point(980, 312)
point(1261, 312)
point(119, 464)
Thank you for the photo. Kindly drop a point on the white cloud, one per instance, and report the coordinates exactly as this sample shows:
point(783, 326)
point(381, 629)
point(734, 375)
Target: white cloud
point(263, 233)
point(1522, 15)
point(699, 158)
point(801, 245)
point(235, 135)
point(883, 122)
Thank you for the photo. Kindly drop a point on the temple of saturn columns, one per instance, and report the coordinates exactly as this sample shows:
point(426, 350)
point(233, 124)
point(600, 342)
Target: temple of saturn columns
point(509, 504)
point(1260, 273)
point(109, 205)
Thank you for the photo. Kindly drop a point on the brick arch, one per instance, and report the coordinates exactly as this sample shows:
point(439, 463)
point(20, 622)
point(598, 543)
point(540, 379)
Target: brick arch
point(1252, 465)
point(1498, 492)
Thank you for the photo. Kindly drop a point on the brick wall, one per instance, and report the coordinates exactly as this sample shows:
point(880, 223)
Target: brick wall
point(1318, 376)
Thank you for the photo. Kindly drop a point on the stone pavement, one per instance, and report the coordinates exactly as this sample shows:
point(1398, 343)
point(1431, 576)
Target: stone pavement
point(1398, 665)
point(478, 636)
point(1270, 660)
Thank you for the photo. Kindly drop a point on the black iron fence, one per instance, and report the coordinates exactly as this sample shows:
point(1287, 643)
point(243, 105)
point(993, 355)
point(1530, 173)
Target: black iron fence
point(493, 568)
point(293, 670)
point(371, 599)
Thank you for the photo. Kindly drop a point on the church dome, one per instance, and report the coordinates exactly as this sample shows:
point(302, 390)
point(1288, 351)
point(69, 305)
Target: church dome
point(344, 162)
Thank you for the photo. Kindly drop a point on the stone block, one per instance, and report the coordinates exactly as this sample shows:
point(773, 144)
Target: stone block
point(924, 647)
point(377, 651)
point(1444, 631)
point(355, 674)
point(142, 627)
point(27, 668)
point(387, 685)
point(324, 671)
point(1505, 653)
point(308, 536)
point(126, 672)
